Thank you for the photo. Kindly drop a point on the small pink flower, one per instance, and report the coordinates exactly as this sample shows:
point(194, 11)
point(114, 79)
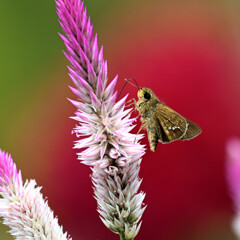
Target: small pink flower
point(122, 161)
point(104, 163)
point(114, 153)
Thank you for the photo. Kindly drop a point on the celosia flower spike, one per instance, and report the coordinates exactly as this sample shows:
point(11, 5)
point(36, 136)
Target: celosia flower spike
point(100, 117)
point(103, 125)
point(23, 208)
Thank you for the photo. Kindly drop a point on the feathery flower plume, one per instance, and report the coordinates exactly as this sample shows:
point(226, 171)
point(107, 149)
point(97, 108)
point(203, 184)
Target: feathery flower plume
point(23, 208)
point(233, 177)
point(103, 125)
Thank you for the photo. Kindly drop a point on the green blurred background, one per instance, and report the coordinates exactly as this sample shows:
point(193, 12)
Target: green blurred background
point(188, 52)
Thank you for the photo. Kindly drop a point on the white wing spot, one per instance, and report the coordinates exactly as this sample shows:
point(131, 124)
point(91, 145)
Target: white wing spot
point(173, 128)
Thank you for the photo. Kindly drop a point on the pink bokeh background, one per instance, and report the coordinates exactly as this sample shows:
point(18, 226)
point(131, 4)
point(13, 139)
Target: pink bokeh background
point(188, 53)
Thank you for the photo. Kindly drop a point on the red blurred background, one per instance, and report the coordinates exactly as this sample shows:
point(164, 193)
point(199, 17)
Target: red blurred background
point(187, 52)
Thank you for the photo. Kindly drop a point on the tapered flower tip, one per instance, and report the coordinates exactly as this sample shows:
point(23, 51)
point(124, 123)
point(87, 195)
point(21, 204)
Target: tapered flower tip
point(2, 155)
point(8, 171)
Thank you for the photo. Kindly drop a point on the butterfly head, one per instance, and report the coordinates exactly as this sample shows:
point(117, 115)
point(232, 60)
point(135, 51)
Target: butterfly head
point(145, 94)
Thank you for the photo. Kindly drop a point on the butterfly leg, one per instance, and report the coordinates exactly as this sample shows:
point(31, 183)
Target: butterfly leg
point(137, 115)
point(129, 105)
point(143, 126)
point(131, 102)
point(132, 99)
point(145, 123)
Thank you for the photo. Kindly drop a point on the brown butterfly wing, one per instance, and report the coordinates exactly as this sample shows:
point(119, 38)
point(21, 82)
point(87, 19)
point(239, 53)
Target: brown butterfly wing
point(166, 125)
point(170, 125)
point(193, 130)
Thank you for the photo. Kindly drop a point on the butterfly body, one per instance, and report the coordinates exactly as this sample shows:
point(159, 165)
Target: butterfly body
point(163, 124)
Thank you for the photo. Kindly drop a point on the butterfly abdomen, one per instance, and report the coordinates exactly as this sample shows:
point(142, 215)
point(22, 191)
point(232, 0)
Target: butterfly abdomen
point(152, 137)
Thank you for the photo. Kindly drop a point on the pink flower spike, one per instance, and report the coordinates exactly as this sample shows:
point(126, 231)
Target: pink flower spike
point(23, 208)
point(233, 169)
point(103, 125)
point(233, 177)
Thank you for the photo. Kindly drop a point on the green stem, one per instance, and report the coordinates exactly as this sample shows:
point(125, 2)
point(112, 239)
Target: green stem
point(122, 237)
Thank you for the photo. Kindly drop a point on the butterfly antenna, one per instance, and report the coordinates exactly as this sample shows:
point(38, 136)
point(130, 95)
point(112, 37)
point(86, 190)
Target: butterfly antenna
point(131, 83)
point(128, 81)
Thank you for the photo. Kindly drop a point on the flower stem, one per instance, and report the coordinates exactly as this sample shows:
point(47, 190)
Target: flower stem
point(122, 237)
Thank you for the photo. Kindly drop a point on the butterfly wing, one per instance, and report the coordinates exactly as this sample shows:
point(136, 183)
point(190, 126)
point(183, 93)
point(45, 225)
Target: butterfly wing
point(170, 125)
point(193, 130)
point(166, 125)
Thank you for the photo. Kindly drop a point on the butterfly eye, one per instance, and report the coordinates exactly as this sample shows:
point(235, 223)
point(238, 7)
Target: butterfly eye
point(147, 95)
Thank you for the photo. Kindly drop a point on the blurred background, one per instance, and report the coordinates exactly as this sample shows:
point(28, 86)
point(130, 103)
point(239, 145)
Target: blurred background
point(187, 52)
